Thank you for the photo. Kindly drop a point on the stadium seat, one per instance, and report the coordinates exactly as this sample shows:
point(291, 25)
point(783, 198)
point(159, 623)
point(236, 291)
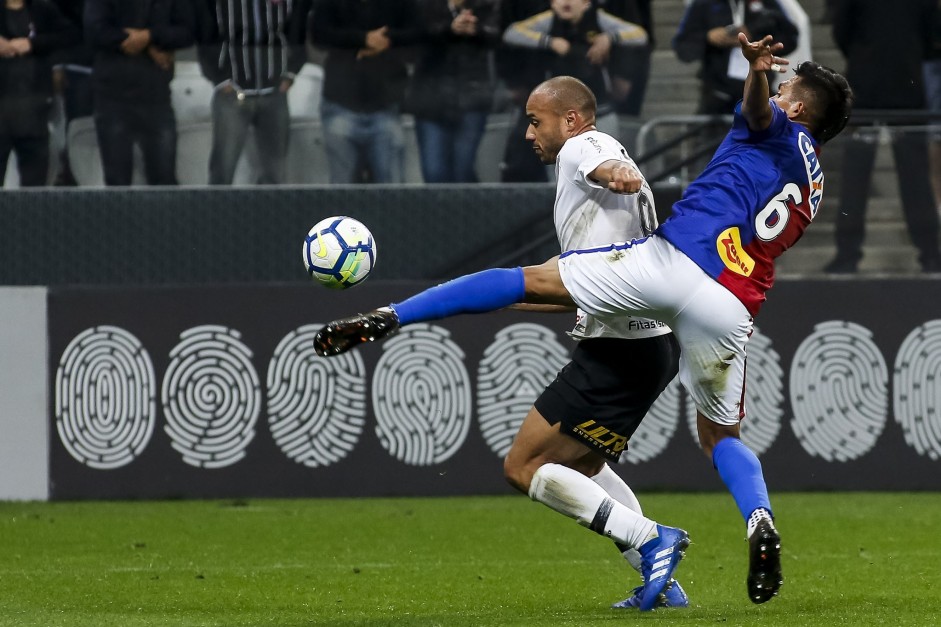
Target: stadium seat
point(193, 145)
point(84, 159)
point(190, 93)
point(304, 95)
point(11, 179)
point(492, 145)
point(307, 156)
point(412, 165)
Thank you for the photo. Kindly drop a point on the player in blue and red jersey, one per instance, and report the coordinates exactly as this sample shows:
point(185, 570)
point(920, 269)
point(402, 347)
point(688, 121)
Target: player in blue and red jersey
point(754, 199)
point(704, 272)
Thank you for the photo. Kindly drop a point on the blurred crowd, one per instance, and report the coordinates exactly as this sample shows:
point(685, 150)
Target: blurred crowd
point(448, 64)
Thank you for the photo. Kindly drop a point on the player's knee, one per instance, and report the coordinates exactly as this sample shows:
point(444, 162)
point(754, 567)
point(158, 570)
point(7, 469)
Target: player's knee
point(543, 284)
point(711, 433)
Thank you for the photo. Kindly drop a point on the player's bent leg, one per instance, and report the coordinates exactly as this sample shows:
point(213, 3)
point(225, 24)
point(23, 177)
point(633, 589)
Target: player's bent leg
point(534, 460)
point(537, 443)
point(741, 472)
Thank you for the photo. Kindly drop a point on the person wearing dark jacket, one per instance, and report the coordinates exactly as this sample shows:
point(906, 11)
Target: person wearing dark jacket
point(367, 43)
point(134, 43)
point(885, 78)
point(29, 31)
point(708, 34)
point(581, 39)
point(252, 57)
point(71, 79)
point(932, 75)
point(451, 92)
point(520, 69)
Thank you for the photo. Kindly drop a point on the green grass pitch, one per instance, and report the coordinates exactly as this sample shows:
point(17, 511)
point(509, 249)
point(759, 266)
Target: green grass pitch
point(849, 559)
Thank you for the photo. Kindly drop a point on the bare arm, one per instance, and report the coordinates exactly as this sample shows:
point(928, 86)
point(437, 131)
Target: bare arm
point(756, 108)
point(618, 176)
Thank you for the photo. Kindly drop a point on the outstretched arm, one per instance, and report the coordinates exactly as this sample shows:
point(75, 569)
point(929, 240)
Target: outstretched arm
point(756, 108)
point(618, 176)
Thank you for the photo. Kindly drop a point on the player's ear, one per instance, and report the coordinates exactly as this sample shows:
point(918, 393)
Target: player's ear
point(571, 119)
point(796, 110)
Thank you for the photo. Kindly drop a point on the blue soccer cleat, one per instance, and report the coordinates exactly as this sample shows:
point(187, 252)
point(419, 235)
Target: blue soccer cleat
point(672, 596)
point(659, 557)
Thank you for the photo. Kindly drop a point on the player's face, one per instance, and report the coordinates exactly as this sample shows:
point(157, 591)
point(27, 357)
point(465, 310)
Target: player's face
point(546, 128)
point(570, 10)
point(788, 97)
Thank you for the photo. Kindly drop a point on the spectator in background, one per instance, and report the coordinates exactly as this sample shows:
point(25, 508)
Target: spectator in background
point(581, 39)
point(29, 31)
point(451, 91)
point(708, 34)
point(932, 72)
point(364, 83)
point(71, 78)
point(885, 77)
point(520, 69)
point(251, 53)
point(134, 43)
point(630, 65)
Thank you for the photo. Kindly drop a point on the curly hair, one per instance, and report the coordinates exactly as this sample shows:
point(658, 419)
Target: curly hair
point(832, 98)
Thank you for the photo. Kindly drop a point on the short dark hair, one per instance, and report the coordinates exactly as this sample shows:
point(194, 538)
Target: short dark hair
point(832, 98)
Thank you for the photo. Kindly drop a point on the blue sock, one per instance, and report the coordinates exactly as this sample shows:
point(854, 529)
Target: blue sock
point(741, 471)
point(474, 293)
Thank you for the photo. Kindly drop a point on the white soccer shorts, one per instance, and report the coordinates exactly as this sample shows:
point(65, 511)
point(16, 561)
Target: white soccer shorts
point(651, 278)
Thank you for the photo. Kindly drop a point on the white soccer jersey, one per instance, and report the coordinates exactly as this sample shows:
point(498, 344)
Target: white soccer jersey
point(587, 216)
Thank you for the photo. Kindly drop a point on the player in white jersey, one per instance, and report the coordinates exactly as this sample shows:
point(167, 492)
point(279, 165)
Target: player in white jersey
point(586, 416)
point(589, 412)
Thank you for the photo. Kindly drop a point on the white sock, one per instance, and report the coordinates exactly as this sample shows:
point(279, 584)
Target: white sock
point(614, 485)
point(572, 494)
point(757, 516)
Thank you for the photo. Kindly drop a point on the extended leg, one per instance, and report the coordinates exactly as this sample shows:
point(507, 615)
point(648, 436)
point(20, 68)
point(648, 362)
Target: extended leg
point(740, 470)
point(484, 291)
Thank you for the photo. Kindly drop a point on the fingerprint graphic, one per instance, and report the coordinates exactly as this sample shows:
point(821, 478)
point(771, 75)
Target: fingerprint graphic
point(916, 393)
point(422, 396)
point(838, 391)
point(522, 360)
point(316, 406)
point(764, 396)
point(211, 397)
point(105, 388)
point(657, 429)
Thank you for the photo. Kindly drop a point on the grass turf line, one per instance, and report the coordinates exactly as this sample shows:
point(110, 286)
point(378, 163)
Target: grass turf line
point(849, 559)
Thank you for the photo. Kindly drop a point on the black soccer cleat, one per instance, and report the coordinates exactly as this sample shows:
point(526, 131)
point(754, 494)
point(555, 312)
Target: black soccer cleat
point(764, 562)
point(341, 335)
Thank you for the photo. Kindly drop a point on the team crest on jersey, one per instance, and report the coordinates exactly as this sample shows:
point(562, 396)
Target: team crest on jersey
point(814, 173)
point(732, 252)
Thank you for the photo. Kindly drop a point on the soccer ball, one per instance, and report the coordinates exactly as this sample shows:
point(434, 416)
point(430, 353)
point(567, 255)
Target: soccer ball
point(339, 252)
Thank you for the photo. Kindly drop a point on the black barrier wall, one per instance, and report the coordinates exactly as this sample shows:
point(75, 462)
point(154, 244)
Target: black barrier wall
point(167, 236)
point(225, 235)
point(215, 391)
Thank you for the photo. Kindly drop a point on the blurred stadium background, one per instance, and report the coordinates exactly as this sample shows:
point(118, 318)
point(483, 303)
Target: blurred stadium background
point(156, 346)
